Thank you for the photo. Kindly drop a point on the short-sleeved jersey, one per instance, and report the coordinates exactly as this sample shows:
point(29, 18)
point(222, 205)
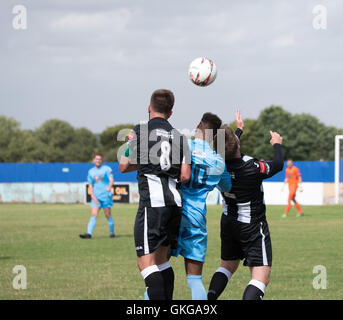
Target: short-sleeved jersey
point(159, 150)
point(208, 171)
point(245, 201)
point(100, 179)
point(292, 176)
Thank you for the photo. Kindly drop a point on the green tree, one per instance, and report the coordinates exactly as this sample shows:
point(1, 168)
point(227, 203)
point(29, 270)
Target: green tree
point(82, 147)
point(8, 129)
point(273, 118)
point(63, 143)
point(303, 134)
point(248, 138)
point(109, 142)
point(305, 138)
point(25, 147)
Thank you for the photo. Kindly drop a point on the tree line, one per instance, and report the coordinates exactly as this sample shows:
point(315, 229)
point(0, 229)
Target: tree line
point(304, 138)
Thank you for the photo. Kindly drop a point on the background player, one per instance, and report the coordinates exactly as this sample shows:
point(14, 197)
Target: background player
point(244, 229)
point(155, 146)
point(293, 178)
point(100, 181)
point(208, 171)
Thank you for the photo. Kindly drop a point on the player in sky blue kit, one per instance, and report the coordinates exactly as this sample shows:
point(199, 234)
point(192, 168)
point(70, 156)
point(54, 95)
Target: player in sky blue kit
point(208, 171)
point(100, 180)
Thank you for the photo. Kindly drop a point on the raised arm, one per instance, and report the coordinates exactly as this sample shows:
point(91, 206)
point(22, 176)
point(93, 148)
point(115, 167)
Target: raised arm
point(268, 169)
point(239, 124)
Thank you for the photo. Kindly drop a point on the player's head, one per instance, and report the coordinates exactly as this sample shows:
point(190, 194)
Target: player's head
point(289, 163)
point(208, 126)
point(97, 159)
point(162, 102)
point(232, 144)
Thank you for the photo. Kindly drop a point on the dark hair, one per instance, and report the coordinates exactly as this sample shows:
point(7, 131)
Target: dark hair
point(231, 143)
point(97, 154)
point(162, 101)
point(210, 121)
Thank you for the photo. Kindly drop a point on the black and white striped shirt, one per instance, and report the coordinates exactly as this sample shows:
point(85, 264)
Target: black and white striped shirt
point(159, 150)
point(245, 201)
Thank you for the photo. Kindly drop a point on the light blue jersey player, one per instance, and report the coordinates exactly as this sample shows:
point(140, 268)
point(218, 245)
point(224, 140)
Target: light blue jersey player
point(208, 171)
point(100, 181)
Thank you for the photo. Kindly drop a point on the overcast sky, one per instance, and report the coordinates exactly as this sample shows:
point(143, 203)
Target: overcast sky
point(96, 63)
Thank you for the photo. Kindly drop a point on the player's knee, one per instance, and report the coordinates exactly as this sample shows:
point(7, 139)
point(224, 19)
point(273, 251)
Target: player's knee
point(266, 279)
point(261, 274)
point(230, 265)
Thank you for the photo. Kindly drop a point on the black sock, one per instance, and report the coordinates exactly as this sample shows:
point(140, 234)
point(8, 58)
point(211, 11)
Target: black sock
point(168, 277)
point(217, 285)
point(252, 293)
point(154, 283)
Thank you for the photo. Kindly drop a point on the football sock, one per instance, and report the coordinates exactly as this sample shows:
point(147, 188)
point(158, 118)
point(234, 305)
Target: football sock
point(91, 225)
point(288, 207)
point(254, 290)
point(168, 278)
point(297, 205)
point(218, 283)
point(110, 223)
point(196, 286)
point(154, 283)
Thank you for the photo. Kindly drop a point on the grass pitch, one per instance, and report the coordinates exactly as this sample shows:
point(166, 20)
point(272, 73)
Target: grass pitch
point(60, 265)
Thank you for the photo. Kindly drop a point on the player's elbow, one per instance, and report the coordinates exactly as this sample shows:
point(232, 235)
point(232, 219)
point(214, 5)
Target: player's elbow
point(185, 175)
point(122, 167)
point(184, 178)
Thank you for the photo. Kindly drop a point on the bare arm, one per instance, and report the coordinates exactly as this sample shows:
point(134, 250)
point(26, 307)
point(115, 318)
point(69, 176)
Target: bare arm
point(90, 191)
point(110, 184)
point(239, 120)
point(186, 171)
point(126, 166)
point(239, 124)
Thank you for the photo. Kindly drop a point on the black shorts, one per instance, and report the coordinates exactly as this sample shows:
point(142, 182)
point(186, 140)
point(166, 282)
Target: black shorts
point(155, 227)
point(249, 241)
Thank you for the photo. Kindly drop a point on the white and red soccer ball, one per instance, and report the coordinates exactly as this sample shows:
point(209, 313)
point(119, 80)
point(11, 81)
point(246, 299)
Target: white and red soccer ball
point(202, 71)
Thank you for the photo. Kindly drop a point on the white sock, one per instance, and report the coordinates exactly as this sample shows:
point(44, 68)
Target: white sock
point(225, 271)
point(258, 284)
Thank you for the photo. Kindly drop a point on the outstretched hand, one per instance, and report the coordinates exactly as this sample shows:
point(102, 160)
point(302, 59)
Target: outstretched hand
point(239, 120)
point(276, 138)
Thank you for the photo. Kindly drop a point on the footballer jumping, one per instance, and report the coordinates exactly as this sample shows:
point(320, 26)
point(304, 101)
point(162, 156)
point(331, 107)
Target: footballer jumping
point(208, 171)
point(157, 151)
point(244, 230)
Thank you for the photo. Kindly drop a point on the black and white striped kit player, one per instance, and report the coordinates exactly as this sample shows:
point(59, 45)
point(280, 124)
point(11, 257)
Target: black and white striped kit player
point(159, 150)
point(244, 228)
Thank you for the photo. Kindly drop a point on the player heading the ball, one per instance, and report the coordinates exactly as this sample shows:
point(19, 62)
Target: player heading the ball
point(244, 229)
point(158, 218)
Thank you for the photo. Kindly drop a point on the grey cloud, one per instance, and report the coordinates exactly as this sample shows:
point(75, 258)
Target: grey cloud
point(95, 63)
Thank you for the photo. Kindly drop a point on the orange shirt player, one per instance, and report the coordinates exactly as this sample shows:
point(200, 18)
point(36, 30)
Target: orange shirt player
point(293, 178)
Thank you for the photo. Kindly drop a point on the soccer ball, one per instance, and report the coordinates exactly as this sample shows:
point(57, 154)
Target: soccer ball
point(202, 71)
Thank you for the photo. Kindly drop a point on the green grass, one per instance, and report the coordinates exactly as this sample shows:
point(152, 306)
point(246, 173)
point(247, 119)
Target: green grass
point(44, 238)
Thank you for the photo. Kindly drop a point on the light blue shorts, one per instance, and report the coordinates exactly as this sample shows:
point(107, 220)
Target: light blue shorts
point(105, 204)
point(192, 242)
